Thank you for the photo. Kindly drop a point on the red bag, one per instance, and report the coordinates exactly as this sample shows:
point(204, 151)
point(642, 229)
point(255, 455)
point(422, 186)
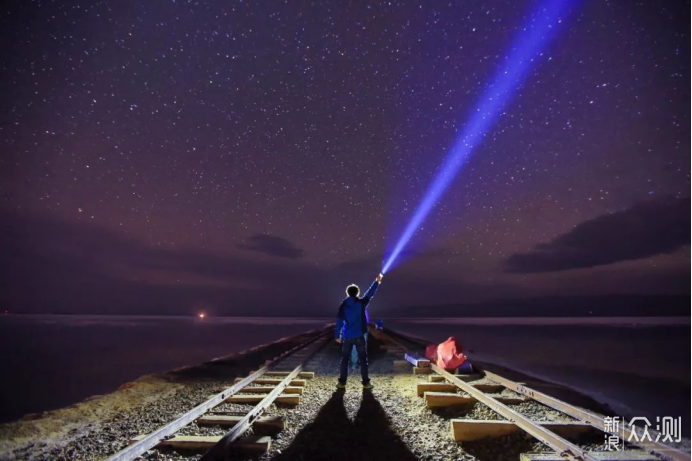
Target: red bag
point(431, 352)
point(449, 354)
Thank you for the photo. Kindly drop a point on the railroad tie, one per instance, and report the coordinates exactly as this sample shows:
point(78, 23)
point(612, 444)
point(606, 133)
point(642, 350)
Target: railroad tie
point(467, 378)
point(288, 399)
point(465, 430)
point(270, 425)
point(258, 444)
point(447, 399)
point(302, 374)
point(295, 382)
point(268, 389)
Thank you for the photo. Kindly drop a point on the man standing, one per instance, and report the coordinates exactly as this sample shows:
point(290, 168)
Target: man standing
point(351, 326)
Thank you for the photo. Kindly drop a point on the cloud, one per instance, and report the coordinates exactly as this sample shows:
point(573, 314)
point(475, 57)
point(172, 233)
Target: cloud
point(273, 246)
point(52, 265)
point(646, 229)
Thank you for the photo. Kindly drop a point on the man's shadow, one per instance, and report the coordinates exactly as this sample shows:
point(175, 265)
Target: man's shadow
point(332, 436)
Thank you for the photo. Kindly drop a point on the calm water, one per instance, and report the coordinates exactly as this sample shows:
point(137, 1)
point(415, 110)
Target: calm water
point(52, 361)
point(638, 366)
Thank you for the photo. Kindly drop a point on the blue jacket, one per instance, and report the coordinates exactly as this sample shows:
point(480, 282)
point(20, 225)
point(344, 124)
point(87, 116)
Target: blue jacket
point(352, 320)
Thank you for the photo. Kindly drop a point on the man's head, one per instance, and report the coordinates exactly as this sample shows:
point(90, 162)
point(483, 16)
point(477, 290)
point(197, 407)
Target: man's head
point(352, 290)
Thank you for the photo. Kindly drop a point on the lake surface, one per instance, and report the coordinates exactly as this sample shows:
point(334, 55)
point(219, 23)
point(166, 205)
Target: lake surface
point(638, 366)
point(52, 361)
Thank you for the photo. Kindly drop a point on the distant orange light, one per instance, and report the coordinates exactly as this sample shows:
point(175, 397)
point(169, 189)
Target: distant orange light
point(201, 315)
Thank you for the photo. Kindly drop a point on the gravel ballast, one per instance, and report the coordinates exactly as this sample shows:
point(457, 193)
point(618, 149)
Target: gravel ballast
point(389, 422)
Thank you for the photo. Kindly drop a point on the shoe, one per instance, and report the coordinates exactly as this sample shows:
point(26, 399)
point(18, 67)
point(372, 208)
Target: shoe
point(340, 385)
point(368, 386)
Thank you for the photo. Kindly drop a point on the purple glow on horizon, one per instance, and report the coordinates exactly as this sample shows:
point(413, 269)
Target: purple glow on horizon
point(529, 45)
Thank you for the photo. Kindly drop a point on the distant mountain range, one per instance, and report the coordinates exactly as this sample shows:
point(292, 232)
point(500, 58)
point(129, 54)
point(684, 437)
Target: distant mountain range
point(557, 306)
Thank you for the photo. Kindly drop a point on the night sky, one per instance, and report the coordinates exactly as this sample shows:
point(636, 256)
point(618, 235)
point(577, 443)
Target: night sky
point(256, 157)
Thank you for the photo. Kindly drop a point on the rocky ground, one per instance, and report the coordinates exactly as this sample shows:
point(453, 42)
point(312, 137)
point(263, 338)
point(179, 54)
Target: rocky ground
point(388, 422)
point(102, 425)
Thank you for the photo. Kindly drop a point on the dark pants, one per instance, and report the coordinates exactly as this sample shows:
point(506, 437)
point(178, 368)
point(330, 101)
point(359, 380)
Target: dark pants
point(346, 347)
point(354, 353)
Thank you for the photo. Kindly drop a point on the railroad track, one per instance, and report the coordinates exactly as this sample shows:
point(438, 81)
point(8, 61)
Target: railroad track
point(503, 396)
point(281, 380)
point(241, 419)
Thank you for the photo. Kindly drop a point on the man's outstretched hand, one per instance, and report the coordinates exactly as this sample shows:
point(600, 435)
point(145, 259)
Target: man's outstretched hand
point(378, 279)
point(338, 340)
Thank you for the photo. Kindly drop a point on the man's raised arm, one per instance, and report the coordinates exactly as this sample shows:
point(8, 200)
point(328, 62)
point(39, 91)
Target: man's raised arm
point(373, 288)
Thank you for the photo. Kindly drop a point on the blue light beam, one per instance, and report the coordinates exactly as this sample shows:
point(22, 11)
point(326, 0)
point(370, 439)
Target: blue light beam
point(532, 39)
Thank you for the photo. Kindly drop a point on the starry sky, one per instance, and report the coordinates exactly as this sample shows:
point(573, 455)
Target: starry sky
point(256, 157)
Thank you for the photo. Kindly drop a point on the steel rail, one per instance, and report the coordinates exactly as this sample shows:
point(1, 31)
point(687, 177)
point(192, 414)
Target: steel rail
point(591, 418)
point(554, 441)
point(151, 440)
point(219, 451)
point(594, 420)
